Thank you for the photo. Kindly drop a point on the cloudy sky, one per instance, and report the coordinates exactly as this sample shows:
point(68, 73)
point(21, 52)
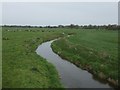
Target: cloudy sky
point(55, 13)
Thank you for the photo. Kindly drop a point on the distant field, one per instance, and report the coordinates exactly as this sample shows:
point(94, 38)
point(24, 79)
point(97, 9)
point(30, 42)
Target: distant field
point(93, 50)
point(22, 67)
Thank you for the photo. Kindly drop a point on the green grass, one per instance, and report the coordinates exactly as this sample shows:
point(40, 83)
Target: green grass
point(93, 50)
point(0, 57)
point(21, 66)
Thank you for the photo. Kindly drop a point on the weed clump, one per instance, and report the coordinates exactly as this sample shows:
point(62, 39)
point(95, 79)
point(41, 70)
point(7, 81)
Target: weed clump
point(5, 38)
point(34, 69)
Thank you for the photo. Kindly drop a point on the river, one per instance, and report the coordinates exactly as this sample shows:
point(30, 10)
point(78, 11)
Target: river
point(71, 76)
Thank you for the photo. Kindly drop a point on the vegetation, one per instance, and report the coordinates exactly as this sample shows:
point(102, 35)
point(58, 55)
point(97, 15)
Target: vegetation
point(0, 57)
point(100, 27)
point(22, 67)
point(93, 50)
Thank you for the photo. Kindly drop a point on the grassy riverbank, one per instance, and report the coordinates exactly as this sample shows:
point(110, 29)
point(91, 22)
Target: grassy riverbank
point(93, 50)
point(22, 67)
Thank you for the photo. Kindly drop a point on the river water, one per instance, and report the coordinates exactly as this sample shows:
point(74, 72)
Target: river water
point(71, 76)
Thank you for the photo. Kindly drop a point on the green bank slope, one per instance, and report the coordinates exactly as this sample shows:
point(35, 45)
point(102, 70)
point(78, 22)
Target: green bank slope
point(22, 67)
point(93, 50)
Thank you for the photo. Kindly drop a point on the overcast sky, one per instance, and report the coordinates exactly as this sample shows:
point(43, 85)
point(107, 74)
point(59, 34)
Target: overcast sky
point(38, 13)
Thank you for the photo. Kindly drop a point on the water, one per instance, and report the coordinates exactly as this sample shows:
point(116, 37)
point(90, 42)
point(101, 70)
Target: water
point(71, 76)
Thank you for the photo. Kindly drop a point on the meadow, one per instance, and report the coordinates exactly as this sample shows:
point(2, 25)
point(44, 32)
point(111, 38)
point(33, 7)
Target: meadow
point(93, 50)
point(22, 67)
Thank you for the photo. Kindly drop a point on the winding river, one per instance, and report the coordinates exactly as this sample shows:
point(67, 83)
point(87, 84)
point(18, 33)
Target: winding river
point(71, 76)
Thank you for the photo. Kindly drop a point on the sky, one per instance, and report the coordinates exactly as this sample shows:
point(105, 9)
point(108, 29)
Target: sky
point(59, 0)
point(119, 13)
point(59, 13)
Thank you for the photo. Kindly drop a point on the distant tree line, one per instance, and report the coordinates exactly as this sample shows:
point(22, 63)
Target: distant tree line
point(107, 27)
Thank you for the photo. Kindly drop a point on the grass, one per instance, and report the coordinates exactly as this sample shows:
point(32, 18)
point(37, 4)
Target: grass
point(22, 67)
point(0, 57)
point(93, 50)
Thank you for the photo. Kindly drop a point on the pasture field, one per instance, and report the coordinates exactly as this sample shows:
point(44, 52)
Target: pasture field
point(22, 67)
point(93, 50)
